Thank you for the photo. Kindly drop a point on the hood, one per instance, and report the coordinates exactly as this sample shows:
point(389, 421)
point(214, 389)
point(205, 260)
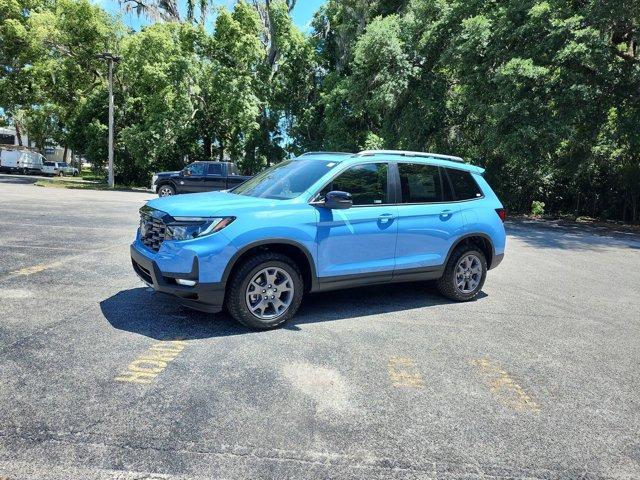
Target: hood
point(207, 204)
point(167, 174)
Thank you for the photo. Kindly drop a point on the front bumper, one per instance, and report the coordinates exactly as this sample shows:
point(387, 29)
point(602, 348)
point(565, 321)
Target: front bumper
point(206, 297)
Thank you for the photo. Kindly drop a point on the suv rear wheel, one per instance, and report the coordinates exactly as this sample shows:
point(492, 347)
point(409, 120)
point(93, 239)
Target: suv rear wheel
point(464, 274)
point(265, 291)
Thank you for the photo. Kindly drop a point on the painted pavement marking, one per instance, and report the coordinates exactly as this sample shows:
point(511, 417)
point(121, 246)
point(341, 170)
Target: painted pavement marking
point(404, 373)
point(147, 366)
point(504, 388)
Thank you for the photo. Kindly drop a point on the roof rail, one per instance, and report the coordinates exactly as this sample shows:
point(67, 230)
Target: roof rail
point(404, 153)
point(325, 153)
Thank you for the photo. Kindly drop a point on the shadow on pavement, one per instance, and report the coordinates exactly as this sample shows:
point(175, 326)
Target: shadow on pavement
point(547, 234)
point(18, 180)
point(158, 316)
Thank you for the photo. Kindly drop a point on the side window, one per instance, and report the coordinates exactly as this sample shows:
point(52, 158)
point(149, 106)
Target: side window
point(367, 184)
point(214, 169)
point(464, 186)
point(197, 169)
point(420, 183)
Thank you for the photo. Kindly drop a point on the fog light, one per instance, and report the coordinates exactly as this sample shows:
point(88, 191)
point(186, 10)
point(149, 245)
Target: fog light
point(186, 283)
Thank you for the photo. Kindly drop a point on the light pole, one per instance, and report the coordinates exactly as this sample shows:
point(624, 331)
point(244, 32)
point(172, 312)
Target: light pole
point(111, 59)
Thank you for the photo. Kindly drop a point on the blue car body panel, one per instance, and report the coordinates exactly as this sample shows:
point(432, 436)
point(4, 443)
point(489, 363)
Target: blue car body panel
point(357, 240)
point(386, 240)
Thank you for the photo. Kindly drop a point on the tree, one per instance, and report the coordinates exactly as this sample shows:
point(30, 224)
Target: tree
point(157, 110)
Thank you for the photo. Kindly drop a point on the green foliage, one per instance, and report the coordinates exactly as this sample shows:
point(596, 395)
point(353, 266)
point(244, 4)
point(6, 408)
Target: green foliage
point(537, 208)
point(545, 94)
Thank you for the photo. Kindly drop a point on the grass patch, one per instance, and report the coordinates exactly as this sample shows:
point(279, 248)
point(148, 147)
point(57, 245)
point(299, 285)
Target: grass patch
point(90, 175)
point(84, 185)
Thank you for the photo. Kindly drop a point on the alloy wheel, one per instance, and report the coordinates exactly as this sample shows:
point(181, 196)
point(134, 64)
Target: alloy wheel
point(468, 273)
point(165, 191)
point(269, 293)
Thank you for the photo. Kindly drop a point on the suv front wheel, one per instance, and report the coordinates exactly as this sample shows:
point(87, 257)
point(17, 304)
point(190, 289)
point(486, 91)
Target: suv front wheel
point(265, 291)
point(464, 274)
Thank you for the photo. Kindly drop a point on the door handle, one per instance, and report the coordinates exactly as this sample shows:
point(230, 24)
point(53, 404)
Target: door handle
point(385, 217)
point(446, 214)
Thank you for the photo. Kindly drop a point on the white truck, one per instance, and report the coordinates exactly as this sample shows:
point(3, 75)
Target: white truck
point(59, 169)
point(21, 161)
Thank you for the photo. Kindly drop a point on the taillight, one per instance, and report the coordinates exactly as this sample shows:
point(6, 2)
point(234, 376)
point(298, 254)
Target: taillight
point(502, 213)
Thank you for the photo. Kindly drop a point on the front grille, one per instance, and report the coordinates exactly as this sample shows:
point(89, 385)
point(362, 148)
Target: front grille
point(152, 231)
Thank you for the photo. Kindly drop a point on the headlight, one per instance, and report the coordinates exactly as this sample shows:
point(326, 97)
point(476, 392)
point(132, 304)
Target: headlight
point(187, 228)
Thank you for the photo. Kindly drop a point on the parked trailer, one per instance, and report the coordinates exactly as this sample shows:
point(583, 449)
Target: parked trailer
point(21, 161)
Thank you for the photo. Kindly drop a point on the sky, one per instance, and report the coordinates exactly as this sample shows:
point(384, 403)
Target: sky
point(302, 12)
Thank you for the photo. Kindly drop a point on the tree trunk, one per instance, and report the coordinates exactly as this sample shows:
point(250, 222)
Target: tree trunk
point(206, 146)
point(221, 151)
point(64, 154)
point(18, 134)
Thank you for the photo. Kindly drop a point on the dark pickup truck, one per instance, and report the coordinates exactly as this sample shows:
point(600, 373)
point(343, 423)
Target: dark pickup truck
point(197, 177)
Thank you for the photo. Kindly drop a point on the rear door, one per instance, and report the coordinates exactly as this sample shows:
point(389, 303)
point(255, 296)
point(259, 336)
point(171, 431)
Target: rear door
point(359, 243)
point(214, 177)
point(428, 219)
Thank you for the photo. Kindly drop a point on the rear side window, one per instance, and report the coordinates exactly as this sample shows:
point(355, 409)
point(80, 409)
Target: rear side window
point(420, 183)
point(214, 169)
point(366, 183)
point(464, 186)
point(50, 164)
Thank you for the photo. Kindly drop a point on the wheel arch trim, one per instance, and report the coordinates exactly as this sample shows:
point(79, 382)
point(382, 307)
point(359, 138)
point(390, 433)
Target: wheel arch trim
point(466, 236)
point(233, 261)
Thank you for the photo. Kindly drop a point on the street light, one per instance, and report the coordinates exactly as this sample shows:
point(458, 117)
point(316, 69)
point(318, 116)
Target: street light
point(111, 59)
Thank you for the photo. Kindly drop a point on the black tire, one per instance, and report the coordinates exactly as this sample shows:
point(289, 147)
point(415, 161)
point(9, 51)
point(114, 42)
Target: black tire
point(168, 187)
point(235, 301)
point(447, 283)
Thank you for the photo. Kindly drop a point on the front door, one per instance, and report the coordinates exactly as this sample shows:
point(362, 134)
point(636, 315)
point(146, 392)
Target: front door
point(192, 179)
point(359, 242)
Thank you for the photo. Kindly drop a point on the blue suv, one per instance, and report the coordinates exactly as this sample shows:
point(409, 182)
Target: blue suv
point(323, 221)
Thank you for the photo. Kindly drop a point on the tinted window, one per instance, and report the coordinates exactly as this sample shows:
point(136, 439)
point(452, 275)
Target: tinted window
point(215, 169)
point(196, 169)
point(50, 164)
point(464, 186)
point(420, 183)
point(62, 164)
point(366, 183)
point(285, 180)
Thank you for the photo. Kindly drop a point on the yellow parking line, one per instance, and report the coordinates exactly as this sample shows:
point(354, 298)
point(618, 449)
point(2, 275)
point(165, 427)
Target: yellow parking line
point(147, 366)
point(34, 269)
point(404, 373)
point(41, 267)
point(504, 388)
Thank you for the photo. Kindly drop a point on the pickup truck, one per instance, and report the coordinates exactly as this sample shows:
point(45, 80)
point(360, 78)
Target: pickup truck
point(206, 176)
point(59, 169)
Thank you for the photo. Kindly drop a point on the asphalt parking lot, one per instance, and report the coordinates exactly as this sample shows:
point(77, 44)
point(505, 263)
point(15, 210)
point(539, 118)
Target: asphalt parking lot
point(538, 378)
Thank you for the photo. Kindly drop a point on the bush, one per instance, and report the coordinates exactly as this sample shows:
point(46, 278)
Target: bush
point(537, 208)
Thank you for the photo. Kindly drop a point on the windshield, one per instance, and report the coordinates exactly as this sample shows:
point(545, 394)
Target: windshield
point(285, 180)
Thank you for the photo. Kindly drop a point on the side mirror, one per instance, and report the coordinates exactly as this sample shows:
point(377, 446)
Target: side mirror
point(337, 200)
point(186, 172)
